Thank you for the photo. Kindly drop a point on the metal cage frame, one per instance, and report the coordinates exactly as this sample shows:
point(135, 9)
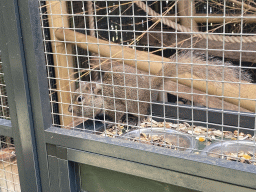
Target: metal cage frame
point(47, 155)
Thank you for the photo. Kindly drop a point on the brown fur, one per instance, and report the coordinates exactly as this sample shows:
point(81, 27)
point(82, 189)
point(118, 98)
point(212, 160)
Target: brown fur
point(126, 90)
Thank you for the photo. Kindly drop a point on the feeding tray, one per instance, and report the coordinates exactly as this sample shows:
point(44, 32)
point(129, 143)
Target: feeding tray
point(241, 151)
point(163, 137)
point(90, 126)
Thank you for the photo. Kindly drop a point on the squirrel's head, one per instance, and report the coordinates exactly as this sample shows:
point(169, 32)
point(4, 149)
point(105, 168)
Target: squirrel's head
point(87, 100)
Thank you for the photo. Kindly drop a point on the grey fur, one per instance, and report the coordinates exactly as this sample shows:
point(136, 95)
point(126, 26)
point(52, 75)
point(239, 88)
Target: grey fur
point(121, 84)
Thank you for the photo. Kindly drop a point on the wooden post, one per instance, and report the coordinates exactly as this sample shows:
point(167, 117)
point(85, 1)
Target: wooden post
point(187, 8)
point(63, 64)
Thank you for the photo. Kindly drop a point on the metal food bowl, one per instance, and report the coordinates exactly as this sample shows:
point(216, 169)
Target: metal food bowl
point(179, 140)
point(220, 149)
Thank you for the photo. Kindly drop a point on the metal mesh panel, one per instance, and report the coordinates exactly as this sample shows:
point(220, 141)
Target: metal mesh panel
point(9, 178)
point(174, 74)
point(4, 108)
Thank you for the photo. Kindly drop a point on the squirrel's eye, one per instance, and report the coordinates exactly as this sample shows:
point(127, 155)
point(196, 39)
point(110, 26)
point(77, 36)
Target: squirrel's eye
point(80, 98)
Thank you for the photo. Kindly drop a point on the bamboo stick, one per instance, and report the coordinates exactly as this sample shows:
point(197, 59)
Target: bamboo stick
point(63, 64)
point(113, 50)
point(137, 58)
point(199, 97)
point(246, 91)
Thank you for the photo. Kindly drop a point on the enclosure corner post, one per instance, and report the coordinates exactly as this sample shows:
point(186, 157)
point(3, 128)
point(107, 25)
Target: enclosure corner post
point(63, 62)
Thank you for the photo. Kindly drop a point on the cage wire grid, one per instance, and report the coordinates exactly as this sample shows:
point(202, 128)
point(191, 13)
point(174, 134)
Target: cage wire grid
point(4, 112)
point(9, 178)
point(205, 44)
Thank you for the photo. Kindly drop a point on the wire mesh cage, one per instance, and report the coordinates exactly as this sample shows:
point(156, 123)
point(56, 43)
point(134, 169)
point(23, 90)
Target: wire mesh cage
point(9, 178)
point(4, 112)
point(174, 74)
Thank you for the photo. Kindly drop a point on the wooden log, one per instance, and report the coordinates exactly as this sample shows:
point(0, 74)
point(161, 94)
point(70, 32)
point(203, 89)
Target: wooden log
point(199, 97)
point(233, 93)
point(63, 64)
point(136, 58)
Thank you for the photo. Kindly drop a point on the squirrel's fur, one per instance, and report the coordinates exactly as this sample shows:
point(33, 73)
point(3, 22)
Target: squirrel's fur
point(123, 89)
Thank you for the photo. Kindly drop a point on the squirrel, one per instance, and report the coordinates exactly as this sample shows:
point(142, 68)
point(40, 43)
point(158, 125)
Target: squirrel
point(124, 89)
